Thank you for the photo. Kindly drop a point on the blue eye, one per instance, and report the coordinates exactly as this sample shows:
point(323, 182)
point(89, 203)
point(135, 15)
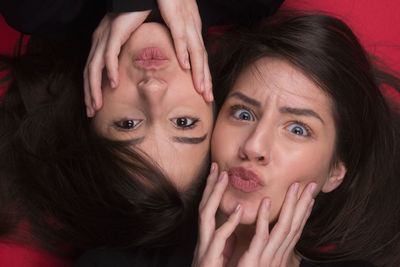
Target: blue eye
point(185, 122)
point(299, 129)
point(127, 124)
point(242, 113)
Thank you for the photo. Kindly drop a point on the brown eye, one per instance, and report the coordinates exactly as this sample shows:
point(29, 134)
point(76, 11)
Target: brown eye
point(185, 122)
point(127, 124)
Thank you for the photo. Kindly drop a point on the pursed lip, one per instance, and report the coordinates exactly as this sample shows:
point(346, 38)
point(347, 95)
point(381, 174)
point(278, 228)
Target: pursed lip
point(151, 58)
point(244, 179)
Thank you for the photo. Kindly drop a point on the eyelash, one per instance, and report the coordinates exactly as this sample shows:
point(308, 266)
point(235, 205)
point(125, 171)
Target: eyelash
point(235, 108)
point(119, 125)
point(308, 130)
point(191, 126)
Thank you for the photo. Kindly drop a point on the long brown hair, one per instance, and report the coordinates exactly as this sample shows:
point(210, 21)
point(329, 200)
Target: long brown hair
point(361, 218)
point(73, 188)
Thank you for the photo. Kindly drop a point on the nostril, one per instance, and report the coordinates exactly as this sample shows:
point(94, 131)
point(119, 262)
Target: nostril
point(261, 158)
point(152, 84)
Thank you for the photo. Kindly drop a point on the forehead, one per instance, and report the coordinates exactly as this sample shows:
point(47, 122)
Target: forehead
point(272, 76)
point(181, 163)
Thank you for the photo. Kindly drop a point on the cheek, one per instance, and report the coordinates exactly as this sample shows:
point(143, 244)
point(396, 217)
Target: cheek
point(224, 144)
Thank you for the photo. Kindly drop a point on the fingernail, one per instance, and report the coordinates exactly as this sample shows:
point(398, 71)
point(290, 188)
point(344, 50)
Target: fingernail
point(311, 189)
point(238, 208)
point(212, 169)
point(295, 188)
point(202, 86)
point(267, 204)
point(210, 96)
point(187, 64)
point(221, 176)
point(112, 84)
point(93, 104)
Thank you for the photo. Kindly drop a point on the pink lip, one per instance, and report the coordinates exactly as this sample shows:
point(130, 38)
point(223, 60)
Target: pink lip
point(244, 179)
point(150, 58)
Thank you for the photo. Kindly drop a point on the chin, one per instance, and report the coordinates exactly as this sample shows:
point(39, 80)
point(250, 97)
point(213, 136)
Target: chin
point(249, 216)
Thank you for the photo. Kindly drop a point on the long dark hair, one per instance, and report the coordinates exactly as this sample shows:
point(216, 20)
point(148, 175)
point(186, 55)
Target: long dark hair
point(72, 188)
point(361, 218)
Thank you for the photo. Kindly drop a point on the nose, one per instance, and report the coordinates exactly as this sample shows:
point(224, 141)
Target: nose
point(256, 148)
point(152, 89)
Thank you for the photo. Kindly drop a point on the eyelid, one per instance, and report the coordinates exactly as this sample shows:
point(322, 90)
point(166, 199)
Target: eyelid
point(237, 107)
point(193, 124)
point(116, 124)
point(308, 129)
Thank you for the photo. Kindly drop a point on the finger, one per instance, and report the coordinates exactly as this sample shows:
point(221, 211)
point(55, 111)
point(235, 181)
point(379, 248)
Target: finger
point(86, 83)
point(196, 52)
point(180, 44)
point(121, 28)
point(207, 214)
point(95, 70)
point(282, 227)
point(260, 238)
point(211, 205)
point(300, 215)
point(208, 93)
point(112, 51)
point(211, 181)
point(87, 96)
point(290, 249)
point(222, 234)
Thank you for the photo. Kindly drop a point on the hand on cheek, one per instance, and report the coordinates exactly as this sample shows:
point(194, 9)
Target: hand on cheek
point(266, 248)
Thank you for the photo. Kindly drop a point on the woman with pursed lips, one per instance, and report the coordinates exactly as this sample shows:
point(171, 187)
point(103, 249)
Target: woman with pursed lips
point(301, 121)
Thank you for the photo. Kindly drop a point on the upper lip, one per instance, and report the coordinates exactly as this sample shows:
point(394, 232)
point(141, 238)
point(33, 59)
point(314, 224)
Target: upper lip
point(246, 174)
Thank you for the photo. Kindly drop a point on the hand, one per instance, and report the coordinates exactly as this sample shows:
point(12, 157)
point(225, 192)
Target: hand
point(277, 248)
point(183, 19)
point(211, 242)
point(266, 249)
point(112, 32)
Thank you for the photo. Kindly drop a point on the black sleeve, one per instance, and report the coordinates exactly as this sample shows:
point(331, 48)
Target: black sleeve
point(54, 19)
point(226, 12)
point(130, 5)
point(351, 263)
point(212, 12)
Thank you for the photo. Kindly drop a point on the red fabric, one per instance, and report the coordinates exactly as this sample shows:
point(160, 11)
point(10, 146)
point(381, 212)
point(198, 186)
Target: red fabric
point(16, 255)
point(375, 22)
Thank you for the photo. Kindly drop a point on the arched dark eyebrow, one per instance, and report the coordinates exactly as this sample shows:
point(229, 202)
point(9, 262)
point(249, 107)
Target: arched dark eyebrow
point(285, 110)
point(177, 139)
point(301, 112)
point(189, 140)
point(245, 98)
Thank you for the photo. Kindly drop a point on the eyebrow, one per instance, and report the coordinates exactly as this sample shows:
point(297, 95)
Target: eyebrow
point(177, 139)
point(301, 112)
point(189, 140)
point(285, 110)
point(248, 100)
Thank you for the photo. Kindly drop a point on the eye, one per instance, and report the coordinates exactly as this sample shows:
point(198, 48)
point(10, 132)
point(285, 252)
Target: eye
point(127, 124)
point(299, 128)
point(241, 113)
point(185, 122)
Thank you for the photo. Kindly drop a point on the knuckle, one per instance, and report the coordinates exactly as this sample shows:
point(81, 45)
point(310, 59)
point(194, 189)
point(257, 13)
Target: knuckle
point(219, 233)
point(203, 216)
point(91, 68)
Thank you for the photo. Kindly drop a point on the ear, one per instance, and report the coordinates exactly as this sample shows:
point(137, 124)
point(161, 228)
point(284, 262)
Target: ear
point(335, 177)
